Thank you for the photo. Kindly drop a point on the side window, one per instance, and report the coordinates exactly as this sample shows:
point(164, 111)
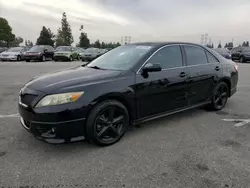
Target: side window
point(211, 58)
point(195, 55)
point(168, 57)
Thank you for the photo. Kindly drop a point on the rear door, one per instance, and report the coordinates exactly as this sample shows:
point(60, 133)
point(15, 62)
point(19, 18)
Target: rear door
point(162, 91)
point(204, 71)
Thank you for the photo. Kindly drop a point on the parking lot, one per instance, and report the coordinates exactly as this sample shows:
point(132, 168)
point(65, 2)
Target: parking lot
point(191, 149)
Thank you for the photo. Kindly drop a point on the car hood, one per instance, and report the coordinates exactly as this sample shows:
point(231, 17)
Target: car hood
point(61, 81)
point(10, 53)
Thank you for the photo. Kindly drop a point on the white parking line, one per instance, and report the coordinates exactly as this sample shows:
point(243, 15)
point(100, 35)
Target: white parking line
point(239, 122)
point(9, 116)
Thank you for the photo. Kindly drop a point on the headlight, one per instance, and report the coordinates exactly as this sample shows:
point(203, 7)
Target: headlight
point(56, 99)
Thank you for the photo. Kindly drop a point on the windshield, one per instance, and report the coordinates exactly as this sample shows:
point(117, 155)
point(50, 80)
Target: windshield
point(81, 50)
point(16, 49)
point(121, 58)
point(36, 49)
point(246, 49)
point(63, 48)
point(91, 50)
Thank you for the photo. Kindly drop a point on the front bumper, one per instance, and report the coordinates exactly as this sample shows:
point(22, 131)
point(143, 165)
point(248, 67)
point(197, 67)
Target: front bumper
point(56, 133)
point(56, 124)
point(32, 57)
point(13, 58)
point(62, 58)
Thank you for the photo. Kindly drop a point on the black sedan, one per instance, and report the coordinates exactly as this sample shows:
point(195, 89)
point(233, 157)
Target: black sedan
point(39, 53)
point(130, 84)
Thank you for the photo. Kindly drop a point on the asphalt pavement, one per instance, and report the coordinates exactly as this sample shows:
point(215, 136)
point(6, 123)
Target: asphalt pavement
point(192, 149)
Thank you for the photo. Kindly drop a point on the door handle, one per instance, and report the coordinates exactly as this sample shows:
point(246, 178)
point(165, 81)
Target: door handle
point(182, 74)
point(217, 68)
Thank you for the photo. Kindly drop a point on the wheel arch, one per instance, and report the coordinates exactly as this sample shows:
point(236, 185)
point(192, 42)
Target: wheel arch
point(228, 82)
point(120, 97)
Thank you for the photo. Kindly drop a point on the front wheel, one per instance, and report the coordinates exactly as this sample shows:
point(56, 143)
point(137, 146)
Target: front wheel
point(107, 123)
point(19, 58)
point(43, 58)
point(70, 58)
point(220, 96)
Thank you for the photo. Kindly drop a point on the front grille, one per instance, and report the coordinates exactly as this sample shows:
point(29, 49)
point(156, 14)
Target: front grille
point(27, 98)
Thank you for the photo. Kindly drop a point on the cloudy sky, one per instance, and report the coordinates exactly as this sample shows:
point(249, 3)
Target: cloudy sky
point(143, 20)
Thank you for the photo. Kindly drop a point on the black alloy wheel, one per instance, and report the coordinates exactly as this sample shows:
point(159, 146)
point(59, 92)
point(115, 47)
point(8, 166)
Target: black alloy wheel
point(220, 96)
point(107, 123)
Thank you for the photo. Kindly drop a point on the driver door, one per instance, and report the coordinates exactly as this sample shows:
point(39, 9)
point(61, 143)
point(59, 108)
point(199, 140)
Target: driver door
point(166, 90)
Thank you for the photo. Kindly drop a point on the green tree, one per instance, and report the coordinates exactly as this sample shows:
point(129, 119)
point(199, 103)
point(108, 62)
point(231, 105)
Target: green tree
point(244, 44)
point(16, 42)
point(28, 43)
point(64, 33)
point(6, 35)
point(46, 37)
point(84, 41)
point(97, 44)
point(247, 43)
point(219, 46)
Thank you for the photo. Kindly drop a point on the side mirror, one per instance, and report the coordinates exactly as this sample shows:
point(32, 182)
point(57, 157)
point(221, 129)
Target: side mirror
point(151, 68)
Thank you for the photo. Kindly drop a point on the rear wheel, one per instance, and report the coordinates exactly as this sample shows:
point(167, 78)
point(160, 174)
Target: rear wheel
point(242, 59)
point(107, 123)
point(27, 60)
point(220, 96)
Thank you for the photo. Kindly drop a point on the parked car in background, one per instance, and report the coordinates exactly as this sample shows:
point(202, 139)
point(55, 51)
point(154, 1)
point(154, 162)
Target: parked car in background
point(39, 53)
point(131, 84)
point(90, 54)
point(2, 49)
point(235, 53)
point(103, 51)
point(80, 52)
point(224, 52)
point(66, 53)
point(13, 54)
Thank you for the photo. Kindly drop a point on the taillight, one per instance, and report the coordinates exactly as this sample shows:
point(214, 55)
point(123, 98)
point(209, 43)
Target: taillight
point(236, 67)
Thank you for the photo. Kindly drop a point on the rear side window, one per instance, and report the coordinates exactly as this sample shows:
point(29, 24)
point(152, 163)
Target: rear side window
point(168, 57)
point(195, 55)
point(211, 58)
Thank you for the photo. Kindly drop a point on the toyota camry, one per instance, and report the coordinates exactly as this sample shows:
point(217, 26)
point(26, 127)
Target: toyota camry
point(127, 85)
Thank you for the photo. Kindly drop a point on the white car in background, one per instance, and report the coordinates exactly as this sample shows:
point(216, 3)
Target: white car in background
point(13, 54)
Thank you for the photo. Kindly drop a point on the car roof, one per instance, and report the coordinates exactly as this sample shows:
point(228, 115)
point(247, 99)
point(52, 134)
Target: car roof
point(159, 44)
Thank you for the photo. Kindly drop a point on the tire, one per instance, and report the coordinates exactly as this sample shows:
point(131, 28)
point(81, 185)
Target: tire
point(242, 59)
point(78, 57)
point(43, 58)
point(107, 132)
point(70, 58)
point(19, 58)
point(220, 97)
point(27, 60)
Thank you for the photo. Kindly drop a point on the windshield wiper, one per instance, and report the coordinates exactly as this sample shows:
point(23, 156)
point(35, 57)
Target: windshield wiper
point(96, 67)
